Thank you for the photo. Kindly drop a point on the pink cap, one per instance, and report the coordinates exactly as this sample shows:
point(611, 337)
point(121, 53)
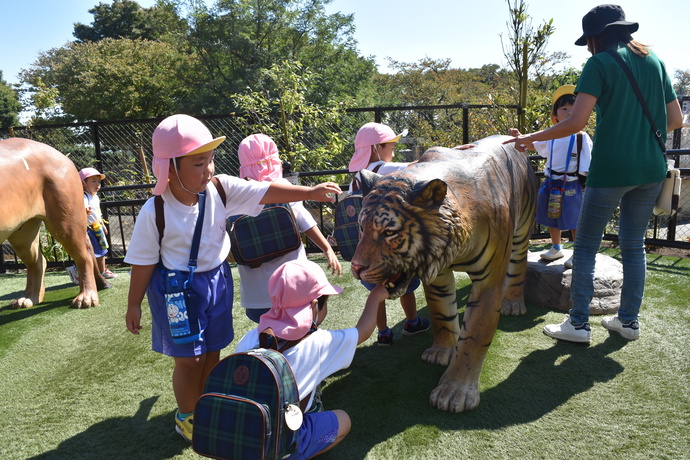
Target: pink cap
point(89, 172)
point(292, 288)
point(368, 135)
point(259, 158)
point(177, 136)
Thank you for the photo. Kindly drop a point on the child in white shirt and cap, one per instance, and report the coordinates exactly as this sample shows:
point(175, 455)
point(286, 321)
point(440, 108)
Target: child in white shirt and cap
point(299, 293)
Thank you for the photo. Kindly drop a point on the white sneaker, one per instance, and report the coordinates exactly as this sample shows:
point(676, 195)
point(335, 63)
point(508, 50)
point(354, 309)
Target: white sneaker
point(630, 331)
point(566, 331)
point(551, 254)
point(568, 263)
point(73, 273)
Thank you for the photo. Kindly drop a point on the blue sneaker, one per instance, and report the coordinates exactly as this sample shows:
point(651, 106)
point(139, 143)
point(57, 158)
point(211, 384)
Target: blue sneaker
point(385, 338)
point(422, 325)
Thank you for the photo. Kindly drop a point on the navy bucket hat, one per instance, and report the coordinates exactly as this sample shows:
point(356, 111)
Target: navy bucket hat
point(600, 18)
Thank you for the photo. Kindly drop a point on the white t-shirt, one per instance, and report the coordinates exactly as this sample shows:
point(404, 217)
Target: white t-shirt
point(242, 197)
point(93, 202)
point(386, 168)
point(560, 147)
point(254, 281)
point(321, 354)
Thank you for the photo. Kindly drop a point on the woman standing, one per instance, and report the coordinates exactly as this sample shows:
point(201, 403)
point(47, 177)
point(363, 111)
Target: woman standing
point(627, 167)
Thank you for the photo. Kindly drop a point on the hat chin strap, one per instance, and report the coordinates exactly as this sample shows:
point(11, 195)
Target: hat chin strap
point(177, 173)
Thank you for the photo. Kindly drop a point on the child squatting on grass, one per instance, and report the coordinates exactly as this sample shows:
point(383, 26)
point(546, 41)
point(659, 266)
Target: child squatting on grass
point(183, 153)
point(299, 293)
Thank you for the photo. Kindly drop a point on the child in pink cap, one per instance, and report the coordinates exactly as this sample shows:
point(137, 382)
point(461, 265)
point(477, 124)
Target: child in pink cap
point(299, 293)
point(374, 150)
point(91, 180)
point(183, 153)
point(259, 160)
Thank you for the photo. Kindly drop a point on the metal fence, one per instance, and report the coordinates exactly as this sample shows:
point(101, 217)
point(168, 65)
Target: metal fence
point(122, 151)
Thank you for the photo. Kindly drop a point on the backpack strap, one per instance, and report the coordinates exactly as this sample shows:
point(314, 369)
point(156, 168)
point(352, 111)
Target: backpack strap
point(357, 185)
point(160, 213)
point(160, 217)
point(221, 191)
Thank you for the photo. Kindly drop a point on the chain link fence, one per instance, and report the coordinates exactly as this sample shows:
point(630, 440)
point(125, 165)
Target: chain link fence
point(122, 151)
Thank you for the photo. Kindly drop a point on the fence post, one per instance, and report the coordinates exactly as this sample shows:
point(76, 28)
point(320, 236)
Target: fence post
point(97, 146)
point(465, 124)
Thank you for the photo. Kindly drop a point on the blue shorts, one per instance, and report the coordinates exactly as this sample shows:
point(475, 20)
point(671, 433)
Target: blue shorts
point(570, 206)
point(215, 293)
point(414, 284)
point(96, 245)
point(318, 431)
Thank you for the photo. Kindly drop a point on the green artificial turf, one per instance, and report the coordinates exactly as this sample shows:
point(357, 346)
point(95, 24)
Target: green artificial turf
point(77, 385)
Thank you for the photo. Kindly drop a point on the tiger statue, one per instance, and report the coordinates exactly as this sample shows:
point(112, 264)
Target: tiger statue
point(454, 210)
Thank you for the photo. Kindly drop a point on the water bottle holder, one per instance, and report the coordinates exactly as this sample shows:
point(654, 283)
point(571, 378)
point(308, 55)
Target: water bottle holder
point(181, 304)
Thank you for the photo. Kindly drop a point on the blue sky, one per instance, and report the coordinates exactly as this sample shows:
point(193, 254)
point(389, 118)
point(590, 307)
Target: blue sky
point(465, 31)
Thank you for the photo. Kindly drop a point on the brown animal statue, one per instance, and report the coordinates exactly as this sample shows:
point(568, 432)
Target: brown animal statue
point(454, 210)
point(40, 184)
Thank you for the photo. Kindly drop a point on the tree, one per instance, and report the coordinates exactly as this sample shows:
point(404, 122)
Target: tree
point(9, 105)
point(127, 19)
point(237, 39)
point(526, 50)
point(112, 79)
point(682, 84)
point(298, 123)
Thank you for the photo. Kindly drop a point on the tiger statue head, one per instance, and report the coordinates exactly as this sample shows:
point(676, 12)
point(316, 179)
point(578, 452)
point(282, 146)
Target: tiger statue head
point(408, 229)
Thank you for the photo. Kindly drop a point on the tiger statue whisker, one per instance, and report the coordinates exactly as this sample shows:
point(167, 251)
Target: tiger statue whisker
point(454, 210)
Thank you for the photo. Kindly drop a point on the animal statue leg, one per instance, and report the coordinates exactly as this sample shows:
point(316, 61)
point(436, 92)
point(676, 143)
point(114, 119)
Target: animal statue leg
point(71, 233)
point(443, 309)
point(458, 388)
point(26, 245)
point(514, 287)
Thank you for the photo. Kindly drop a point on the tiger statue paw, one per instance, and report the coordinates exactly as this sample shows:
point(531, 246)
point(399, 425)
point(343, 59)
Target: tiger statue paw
point(455, 397)
point(440, 356)
point(454, 210)
point(512, 307)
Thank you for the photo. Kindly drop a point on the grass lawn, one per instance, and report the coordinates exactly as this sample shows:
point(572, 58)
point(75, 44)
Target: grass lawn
point(77, 385)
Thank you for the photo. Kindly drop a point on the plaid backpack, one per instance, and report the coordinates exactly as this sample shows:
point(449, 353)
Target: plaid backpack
point(346, 227)
point(249, 408)
point(346, 230)
point(271, 234)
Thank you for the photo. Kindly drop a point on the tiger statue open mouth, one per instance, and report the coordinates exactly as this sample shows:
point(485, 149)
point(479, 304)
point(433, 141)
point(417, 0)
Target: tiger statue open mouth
point(454, 210)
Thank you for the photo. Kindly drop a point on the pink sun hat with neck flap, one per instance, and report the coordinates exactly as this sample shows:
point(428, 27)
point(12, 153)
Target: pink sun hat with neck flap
point(259, 158)
point(292, 288)
point(90, 172)
point(177, 136)
point(368, 135)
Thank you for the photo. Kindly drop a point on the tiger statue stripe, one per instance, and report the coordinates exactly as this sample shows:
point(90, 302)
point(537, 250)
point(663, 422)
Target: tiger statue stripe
point(454, 210)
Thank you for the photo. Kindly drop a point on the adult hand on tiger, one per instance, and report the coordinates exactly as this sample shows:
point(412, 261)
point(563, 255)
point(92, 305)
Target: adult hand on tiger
point(522, 142)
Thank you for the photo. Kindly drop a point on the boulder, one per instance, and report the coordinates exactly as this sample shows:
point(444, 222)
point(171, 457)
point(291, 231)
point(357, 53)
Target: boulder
point(548, 283)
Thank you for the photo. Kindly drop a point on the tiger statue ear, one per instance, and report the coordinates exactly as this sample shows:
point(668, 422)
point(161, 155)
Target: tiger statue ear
point(368, 179)
point(428, 193)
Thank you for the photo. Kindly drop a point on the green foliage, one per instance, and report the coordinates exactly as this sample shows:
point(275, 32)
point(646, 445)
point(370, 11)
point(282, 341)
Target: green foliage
point(130, 78)
point(682, 83)
point(127, 19)
point(237, 39)
point(283, 93)
point(9, 105)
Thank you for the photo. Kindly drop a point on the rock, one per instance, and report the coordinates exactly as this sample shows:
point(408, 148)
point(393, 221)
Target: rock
point(548, 283)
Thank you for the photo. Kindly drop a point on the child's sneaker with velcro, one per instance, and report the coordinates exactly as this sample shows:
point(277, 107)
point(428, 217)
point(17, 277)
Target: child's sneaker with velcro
point(417, 326)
